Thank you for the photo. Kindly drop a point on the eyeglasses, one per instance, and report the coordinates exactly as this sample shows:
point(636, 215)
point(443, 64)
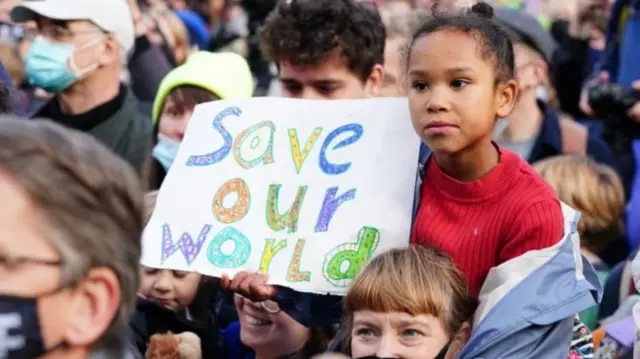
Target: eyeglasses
point(11, 262)
point(57, 33)
point(269, 306)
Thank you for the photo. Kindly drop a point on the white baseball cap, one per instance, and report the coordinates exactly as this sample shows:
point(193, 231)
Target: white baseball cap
point(112, 16)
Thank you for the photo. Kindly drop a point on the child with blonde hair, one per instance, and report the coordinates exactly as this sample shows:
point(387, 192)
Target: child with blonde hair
point(596, 191)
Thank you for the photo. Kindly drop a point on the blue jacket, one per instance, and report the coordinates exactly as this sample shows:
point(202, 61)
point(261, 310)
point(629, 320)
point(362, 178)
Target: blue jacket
point(234, 349)
point(527, 304)
point(633, 208)
point(549, 141)
point(620, 58)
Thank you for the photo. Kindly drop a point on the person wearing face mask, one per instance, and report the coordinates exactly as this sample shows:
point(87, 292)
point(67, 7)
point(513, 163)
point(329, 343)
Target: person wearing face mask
point(533, 129)
point(204, 77)
point(76, 54)
point(68, 257)
point(408, 303)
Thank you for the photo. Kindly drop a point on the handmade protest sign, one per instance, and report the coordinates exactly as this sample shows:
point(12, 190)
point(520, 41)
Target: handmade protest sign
point(306, 191)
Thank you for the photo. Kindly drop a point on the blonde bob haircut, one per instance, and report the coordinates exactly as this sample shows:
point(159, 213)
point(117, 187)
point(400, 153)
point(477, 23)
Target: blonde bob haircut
point(592, 188)
point(416, 280)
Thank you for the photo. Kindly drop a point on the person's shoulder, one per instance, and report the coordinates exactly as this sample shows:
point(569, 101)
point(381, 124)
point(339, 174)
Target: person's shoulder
point(528, 185)
point(143, 123)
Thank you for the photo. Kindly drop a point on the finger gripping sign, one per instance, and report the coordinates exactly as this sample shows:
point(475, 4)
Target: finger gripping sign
point(305, 191)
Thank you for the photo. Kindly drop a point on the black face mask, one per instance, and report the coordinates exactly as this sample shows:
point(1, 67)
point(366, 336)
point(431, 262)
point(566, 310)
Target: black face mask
point(440, 355)
point(20, 334)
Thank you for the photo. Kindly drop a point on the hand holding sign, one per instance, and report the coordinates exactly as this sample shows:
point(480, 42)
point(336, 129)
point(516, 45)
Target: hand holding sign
point(304, 191)
point(249, 285)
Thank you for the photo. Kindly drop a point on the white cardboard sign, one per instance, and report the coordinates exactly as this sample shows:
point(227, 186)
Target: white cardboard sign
point(306, 191)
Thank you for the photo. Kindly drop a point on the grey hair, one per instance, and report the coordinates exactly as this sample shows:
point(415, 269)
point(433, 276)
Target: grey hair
point(88, 201)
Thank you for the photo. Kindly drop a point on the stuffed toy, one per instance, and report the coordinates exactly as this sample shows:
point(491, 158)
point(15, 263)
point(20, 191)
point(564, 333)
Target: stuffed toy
point(172, 346)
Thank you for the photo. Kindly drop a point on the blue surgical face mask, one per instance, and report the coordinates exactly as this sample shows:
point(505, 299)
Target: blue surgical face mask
point(51, 67)
point(165, 151)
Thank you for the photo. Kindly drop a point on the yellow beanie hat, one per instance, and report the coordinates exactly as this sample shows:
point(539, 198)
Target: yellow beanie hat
point(227, 75)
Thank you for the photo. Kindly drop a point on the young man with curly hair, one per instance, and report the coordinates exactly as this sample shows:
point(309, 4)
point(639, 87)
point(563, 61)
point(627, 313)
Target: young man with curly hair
point(325, 49)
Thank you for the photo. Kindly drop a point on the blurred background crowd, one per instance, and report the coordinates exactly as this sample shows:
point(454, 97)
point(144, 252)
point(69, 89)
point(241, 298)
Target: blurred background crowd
point(130, 74)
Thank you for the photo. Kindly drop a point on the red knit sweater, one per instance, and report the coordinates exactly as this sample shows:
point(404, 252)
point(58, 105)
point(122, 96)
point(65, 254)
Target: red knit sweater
point(484, 223)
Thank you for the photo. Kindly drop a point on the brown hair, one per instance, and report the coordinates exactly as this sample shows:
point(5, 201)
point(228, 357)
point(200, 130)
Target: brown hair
point(184, 98)
point(415, 280)
point(94, 216)
point(187, 96)
point(175, 32)
point(305, 32)
point(592, 188)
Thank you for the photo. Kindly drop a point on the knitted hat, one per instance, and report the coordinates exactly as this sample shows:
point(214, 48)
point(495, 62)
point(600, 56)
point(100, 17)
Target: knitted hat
point(227, 75)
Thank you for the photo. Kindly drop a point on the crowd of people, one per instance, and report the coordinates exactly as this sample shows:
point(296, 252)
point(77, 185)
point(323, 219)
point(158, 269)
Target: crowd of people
point(526, 226)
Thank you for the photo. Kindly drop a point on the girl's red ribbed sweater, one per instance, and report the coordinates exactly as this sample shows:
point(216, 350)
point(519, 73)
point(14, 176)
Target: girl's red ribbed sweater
point(484, 223)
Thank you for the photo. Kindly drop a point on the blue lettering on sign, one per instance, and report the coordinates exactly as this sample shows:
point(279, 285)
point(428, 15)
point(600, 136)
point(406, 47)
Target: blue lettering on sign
point(336, 169)
point(220, 154)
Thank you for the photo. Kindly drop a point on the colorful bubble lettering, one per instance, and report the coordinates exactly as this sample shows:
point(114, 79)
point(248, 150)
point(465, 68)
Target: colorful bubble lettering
point(222, 152)
point(294, 274)
point(239, 209)
point(330, 206)
point(289, 220)
point(355, 254)
point(186, 245)
point(240, 254)
point(270, 250)
point(336, 169)
point(298, 156)
point(257, 135)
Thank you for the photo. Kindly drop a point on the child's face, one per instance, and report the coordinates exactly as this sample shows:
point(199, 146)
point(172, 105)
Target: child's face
point(174, 119)
point(453, 96)
point(331, 79)
point(171, 288)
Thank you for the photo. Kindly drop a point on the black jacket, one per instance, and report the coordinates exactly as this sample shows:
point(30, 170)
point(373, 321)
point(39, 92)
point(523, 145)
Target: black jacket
point(150, 318)
point(118, 124)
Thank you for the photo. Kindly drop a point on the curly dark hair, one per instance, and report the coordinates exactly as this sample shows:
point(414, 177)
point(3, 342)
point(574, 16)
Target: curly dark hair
point(303, 32)
point(479, 22)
